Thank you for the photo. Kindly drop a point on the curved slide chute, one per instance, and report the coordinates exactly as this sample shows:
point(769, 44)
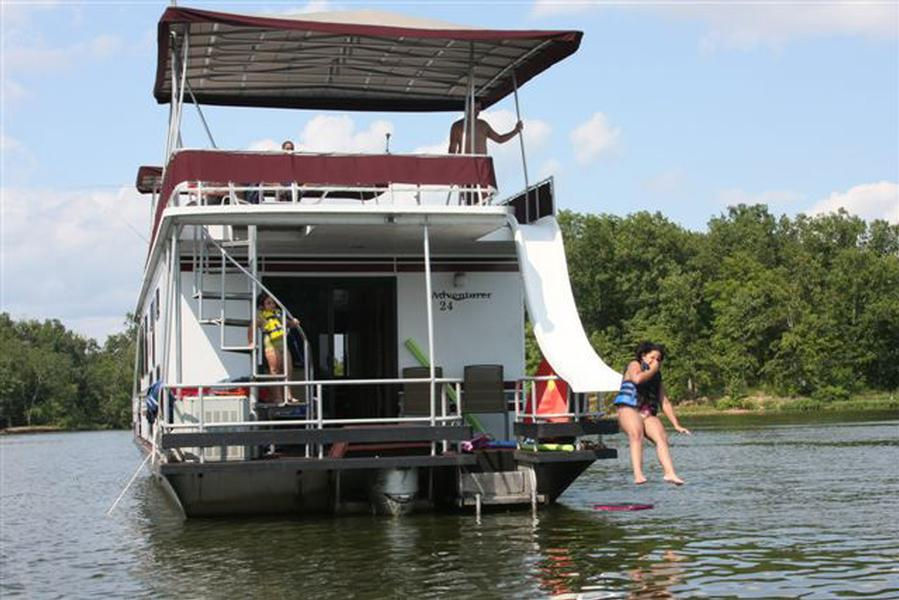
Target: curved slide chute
point(551, 308)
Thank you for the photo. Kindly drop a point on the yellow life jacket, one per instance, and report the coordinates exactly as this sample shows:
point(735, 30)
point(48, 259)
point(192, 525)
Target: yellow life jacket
point(271, 324)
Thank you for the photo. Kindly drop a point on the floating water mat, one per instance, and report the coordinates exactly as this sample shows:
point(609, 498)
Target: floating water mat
point(621, 506)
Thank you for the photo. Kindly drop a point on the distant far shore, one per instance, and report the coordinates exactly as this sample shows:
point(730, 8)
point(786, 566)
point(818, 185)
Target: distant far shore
point(32, 429)
point(762, 404)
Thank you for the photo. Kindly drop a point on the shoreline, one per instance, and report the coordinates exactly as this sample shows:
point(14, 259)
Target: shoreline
point(22, 429)
point(762, 405)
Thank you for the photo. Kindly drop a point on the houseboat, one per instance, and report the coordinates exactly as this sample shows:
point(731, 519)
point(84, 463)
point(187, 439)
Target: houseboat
point(394, 288)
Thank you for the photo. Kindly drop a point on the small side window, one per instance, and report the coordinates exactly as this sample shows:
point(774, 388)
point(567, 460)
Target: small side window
point(141, 355)
point(146, 345)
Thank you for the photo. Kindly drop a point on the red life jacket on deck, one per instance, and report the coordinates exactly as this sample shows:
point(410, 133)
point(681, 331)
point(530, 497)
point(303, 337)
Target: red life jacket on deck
point(552, 396)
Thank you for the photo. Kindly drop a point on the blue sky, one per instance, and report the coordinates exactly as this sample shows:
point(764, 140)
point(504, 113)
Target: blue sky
point(680, 107)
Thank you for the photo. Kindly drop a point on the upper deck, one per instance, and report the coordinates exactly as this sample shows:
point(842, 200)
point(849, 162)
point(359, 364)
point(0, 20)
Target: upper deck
point(257, 181)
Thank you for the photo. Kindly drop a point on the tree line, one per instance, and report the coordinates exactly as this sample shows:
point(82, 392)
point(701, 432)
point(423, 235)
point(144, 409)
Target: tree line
point(52, 376)
point(803, 306)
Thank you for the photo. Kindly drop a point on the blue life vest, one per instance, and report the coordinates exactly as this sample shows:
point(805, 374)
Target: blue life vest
point(645, 395)
point(627, 394)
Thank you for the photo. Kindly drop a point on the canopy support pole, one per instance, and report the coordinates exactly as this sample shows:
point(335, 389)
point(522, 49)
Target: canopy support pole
point(524, 160)
point(472, 117)
point(427, 257)
point(176, 297)
point(186, 82)
point(185, 46)
point(174, 137)
point(193, 98)
point(163, 392)
point(173, 104)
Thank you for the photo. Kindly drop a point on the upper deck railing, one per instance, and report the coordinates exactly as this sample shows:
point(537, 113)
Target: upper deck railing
point(214, 177)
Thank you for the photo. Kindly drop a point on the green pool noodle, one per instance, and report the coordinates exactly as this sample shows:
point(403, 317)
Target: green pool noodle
point(548, 447)
point(416, 352)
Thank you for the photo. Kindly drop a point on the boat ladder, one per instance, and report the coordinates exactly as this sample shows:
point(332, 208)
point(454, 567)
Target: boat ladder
point(226, 284)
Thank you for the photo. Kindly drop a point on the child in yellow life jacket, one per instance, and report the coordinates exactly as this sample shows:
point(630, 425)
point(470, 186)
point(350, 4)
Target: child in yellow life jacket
point(269, 319)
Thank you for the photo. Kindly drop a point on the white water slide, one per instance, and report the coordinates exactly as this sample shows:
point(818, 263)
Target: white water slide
point(552, 311)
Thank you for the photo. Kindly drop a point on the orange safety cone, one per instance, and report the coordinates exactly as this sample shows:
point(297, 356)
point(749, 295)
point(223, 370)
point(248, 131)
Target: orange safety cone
point(552, 396)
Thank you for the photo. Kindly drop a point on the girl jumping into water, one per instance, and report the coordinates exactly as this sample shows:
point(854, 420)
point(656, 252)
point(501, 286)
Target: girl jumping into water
point(638, 403)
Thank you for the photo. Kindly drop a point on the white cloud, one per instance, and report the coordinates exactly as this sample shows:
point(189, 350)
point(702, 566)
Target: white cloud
point(326, 133)
point(266, 145)
point(103, 46)
point(9, 144)
point(25, 50)
point(869, 201)
point(782, 198)
point(17, 15)
point(27, 55)
point(554, 8)
point(536, 132)
point(12, 91)
point(72, 255)
point(747, 25)
point(17, 162)
point(438, 148)
point(313, 6)
point(667, 182)
point(549, 168)
point(593, 138)
point(507, 157)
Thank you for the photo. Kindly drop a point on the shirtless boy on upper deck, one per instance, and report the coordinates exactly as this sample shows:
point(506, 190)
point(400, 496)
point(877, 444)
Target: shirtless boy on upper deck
point(482, 132)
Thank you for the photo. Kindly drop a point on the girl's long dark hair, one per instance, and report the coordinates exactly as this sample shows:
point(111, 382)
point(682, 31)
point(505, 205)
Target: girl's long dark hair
point(644, 348)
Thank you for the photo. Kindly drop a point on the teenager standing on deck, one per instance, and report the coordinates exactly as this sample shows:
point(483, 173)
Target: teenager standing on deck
point(482, 132)
point(638, 402)
point(269, 319)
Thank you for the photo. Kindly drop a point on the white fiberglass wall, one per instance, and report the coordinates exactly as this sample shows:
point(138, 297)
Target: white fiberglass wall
point(203, 361)
point(478, 319)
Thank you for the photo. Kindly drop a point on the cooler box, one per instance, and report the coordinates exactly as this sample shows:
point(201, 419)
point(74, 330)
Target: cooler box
point(217, 409)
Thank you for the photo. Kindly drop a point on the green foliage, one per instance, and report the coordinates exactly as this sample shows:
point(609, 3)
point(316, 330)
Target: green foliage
point(804, 306)
point(729, 403)
point(831, 393)
point(52, 376)
point(806, 405)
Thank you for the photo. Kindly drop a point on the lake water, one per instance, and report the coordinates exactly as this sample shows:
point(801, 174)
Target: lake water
point(783, 507)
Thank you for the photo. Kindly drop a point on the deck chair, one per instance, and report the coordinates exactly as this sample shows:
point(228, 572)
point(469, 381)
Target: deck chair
point(417, 396)
point(483, 395)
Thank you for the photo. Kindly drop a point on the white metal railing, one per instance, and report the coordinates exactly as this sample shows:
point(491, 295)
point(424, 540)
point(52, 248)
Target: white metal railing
point(200, 193)
point(577, 403)
point(314, 417)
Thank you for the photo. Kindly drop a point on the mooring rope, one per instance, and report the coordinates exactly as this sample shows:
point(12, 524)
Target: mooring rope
point(133, 477)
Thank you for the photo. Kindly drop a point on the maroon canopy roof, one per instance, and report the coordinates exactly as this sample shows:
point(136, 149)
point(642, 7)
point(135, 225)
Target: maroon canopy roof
point(336, 61)
point(216, 167)
point(149, 179)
